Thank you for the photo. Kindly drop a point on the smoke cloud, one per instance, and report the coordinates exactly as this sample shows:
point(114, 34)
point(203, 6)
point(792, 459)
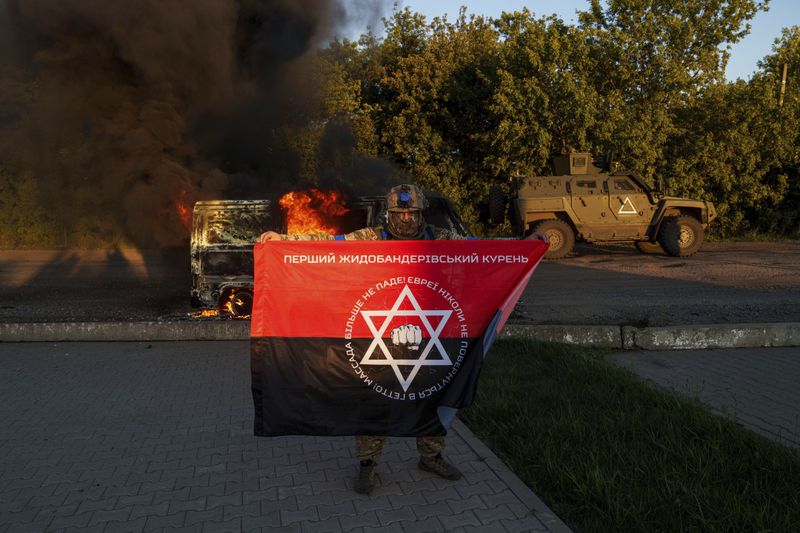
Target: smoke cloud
point(125, 111)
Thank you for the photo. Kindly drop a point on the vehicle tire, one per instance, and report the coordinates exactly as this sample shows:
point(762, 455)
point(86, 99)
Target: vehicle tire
point(681, 236)
point(562, 238)
point(497, 205)
point(238, 303)
point(649, 247)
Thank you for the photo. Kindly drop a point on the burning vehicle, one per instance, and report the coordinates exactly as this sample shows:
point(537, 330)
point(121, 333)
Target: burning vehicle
point(224, 231)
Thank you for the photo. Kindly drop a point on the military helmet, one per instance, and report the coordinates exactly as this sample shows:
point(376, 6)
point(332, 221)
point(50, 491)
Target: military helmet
point(406, 196)
point(405, 204)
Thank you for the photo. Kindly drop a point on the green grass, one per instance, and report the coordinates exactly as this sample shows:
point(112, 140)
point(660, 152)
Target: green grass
point(610, 453)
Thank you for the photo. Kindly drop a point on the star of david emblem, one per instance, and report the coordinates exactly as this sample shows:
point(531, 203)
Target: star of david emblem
point(416, 363)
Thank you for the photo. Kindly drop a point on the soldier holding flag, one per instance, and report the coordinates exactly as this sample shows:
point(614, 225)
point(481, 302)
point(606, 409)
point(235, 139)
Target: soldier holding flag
point(405, 221)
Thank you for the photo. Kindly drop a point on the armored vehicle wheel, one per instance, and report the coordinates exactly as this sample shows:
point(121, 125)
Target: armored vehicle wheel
point(497, 205)
point(561, 236)
point(649, 247)
point(681, 236)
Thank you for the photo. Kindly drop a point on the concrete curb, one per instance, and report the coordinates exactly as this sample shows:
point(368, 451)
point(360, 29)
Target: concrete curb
point(206, 330)
point(540, 510)
point(589, 336)
point(694, 337)
point(711, 336)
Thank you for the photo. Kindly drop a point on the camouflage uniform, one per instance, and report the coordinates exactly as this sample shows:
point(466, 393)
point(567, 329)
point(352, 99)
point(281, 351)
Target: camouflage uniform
point(374, 234)
point(371, 446)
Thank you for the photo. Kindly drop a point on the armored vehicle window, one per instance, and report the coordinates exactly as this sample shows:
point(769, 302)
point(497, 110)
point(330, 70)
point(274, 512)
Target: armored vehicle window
point(587, 184)
point(579, 161)
point(235, 226)
point(623, 185)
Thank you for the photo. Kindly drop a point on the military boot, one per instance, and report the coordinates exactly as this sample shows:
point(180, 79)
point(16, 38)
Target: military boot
point(366, 477)
point(440, 467)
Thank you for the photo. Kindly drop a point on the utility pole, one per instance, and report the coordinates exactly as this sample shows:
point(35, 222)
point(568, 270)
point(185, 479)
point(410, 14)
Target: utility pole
point(783, 84)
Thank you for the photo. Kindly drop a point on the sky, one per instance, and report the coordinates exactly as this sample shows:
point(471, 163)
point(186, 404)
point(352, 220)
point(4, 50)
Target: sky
point(765, 27)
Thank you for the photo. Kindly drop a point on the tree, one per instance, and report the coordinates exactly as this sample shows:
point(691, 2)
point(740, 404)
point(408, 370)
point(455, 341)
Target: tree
point(653, 57)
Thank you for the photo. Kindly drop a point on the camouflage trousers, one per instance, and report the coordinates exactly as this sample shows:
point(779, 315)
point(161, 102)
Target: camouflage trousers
point(370, 447)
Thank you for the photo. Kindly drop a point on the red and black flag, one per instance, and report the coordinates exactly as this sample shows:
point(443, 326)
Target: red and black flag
point(377, 337)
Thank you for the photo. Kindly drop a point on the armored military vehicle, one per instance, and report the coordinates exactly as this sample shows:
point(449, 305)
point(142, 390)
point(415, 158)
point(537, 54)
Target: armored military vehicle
point(584, 202)
point(224, 232)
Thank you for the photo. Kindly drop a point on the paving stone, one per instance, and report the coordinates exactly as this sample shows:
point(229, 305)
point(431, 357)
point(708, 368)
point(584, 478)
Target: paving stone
point(268, 521)
point(487, 516)
point(128, 526)
point(153, 487)
point(171, 495)
point(176, 506)
point(217, 501)
point(481, 487)
point(329, 511)
point(30, 527)
point(285, 492)
point(229, 526)
point(459, 520)
point(501, 498)
point(238, 511)
point(449, 493)
point(122, 491)
point(97, 528)
point(159, 522)
point(393, 528)
point(489, 528)
point(211, 490)
point(117, 515)
point(63, 522)
point(373, 504)
point(523, 526)
point(350, 522)
point(473, 502)
point(138, 499)
point(312, 500)
point(431, 509)
point(159, 509)
point(306, 515)
point(395, 515)
point(199, 517)
point(423, 526)
point(330, 526)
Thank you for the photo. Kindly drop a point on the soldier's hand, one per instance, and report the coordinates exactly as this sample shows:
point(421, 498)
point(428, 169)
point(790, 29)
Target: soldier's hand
point(407, 335)
point(538, 236)
point(269, 236)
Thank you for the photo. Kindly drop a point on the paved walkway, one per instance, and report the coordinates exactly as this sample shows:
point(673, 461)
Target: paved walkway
point(158, 436)
point(757, 387)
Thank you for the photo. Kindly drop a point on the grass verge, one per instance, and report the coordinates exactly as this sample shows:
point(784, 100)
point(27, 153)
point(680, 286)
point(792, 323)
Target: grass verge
point(609, 452)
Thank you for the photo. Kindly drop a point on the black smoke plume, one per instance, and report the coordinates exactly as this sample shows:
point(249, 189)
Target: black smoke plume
point(126, 112)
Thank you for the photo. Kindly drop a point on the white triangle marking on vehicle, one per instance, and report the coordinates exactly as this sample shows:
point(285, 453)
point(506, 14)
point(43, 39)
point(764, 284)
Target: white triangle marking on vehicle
point(627, 208)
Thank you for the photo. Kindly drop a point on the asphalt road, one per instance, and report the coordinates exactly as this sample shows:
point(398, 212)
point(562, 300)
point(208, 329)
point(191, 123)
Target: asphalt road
point(724, 283)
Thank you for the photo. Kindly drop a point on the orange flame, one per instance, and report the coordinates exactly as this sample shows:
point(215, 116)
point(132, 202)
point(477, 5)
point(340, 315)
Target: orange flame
point(203, 313)
point(311, 211)
point(235, 304)
point(183, 210)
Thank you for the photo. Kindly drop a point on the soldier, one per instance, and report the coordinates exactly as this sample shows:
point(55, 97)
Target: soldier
point(405, 221)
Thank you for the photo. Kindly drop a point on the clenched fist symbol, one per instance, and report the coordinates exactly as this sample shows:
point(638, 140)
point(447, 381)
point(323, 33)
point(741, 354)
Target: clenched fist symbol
point(408, 336)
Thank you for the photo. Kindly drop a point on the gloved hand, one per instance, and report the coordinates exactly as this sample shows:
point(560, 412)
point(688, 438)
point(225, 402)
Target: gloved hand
point(407, 335)
point(269, 236)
